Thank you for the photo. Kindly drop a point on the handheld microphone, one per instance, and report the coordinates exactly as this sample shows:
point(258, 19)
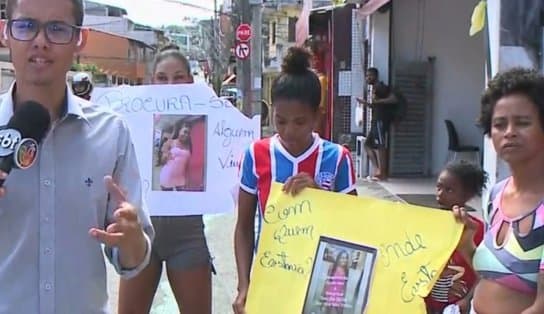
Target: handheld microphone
point(19, 139)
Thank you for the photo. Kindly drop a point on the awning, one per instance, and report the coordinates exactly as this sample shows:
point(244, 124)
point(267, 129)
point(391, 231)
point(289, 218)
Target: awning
point(302, 26)
point(370, 7)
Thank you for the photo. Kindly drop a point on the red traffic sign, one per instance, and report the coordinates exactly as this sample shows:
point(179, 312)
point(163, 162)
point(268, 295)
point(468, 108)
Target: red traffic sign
point(242, 51)
point(243, 32)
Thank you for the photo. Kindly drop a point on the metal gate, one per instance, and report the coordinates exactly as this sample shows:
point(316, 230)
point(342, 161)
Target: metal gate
point(411, 141)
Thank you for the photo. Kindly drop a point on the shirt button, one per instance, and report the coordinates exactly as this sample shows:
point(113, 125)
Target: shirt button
point(48, 286)
point(47, 251)
point(47, 182)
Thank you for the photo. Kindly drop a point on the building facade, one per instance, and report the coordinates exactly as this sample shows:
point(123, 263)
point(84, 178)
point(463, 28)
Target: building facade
point(125, 61)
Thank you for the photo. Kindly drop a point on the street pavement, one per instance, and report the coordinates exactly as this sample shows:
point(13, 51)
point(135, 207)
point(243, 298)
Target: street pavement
point(219, 234)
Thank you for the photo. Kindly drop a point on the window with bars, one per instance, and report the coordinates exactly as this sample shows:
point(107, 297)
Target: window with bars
point(273, 33)
point(3, 12)
point(291, 30)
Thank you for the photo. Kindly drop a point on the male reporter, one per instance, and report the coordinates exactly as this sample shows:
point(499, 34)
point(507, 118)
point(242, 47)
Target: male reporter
point(84, 188)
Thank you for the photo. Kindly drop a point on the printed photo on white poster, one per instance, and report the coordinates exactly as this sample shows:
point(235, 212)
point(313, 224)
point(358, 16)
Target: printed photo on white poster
point(179, 153)
point(188, 143)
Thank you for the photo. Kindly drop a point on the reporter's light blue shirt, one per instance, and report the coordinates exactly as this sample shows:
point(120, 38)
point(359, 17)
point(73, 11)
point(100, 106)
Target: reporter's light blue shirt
point(48, 261)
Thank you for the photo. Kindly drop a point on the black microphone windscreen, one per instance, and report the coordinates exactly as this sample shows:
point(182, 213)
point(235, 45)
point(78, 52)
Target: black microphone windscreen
point(31, 119)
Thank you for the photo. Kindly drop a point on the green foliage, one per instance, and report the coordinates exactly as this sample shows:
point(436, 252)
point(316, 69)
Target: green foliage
point(86, 67)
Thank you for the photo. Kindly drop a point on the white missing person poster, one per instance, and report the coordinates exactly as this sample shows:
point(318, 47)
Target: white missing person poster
point(188, 144)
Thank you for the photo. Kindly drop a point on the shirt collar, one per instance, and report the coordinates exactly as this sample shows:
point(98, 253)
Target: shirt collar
point(73, 105)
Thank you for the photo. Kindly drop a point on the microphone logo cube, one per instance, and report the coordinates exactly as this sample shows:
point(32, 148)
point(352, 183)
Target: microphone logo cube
point(9, 138)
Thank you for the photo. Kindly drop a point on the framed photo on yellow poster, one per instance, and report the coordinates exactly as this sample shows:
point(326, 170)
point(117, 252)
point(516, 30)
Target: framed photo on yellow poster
point(340, 278)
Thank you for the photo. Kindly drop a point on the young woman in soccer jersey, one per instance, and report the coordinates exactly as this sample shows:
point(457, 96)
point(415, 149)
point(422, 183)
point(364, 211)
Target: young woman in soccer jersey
point(179, 241)
point(510, 259)
point(295, 156)
point(458, 183)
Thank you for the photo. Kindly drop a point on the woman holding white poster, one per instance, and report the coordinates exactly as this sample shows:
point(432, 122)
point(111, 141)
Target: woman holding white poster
point(180, 241)
point(295, 156)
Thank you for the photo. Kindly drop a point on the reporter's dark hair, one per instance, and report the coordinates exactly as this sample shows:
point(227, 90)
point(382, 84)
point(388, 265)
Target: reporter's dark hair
point(296, 80)
point(522, 81)
point(78, 10)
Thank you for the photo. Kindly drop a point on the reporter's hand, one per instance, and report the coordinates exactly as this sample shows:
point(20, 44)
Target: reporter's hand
point(125, 232)
point(3, 176)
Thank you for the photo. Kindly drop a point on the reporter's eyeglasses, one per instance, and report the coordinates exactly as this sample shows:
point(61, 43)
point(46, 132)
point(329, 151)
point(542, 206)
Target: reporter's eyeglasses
point(56, 32)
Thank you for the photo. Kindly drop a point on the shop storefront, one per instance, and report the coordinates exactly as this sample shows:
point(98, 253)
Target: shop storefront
point(515, 32)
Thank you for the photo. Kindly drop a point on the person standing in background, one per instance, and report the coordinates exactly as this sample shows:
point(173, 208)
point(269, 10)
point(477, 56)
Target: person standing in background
point(82, 85)
point(316, 48)
point(383, 108)
point(180, 242)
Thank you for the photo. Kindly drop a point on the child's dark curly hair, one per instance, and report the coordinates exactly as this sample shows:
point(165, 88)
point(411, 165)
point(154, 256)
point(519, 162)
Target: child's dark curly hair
point(472, 177)
point(523, 81)
point(170, 46)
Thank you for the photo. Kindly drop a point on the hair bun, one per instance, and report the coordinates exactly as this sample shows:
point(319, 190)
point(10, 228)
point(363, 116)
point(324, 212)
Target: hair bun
point(297, 61)
point(169, 47)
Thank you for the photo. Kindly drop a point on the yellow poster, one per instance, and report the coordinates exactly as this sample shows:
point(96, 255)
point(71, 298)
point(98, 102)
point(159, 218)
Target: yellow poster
point(322, 252)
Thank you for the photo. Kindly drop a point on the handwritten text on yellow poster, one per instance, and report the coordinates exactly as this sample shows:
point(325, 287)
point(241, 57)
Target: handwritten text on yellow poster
point(323, 252)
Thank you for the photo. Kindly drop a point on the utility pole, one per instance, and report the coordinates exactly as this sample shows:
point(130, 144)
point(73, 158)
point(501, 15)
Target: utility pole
point(249, 71)
point(243, 67)
point(215, 46)
point(215, 24)
point(216, 75)
point(256, 55)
